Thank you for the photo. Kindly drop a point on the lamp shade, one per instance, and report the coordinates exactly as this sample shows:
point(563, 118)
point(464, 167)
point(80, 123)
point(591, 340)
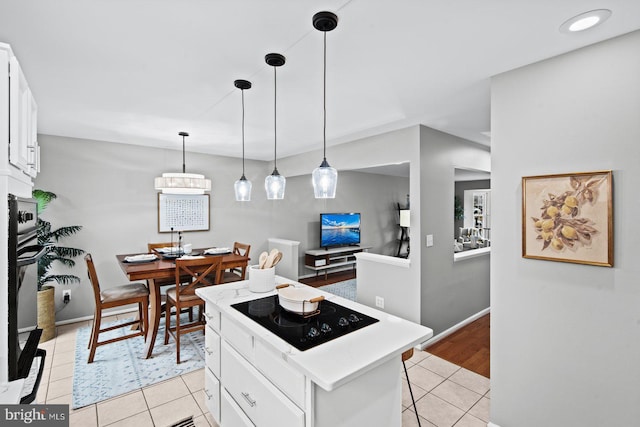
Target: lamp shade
point(404, 217)
point(325, 181)
point(274, 185)
point(243, 189)
point(182, 183)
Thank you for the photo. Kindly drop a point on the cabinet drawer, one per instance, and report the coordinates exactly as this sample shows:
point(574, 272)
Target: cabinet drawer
point(263, 403)
point(212, 394)
point(212, 351)
point(232, 415)
point(238, 337)
point(213, 317)
point(285, 377)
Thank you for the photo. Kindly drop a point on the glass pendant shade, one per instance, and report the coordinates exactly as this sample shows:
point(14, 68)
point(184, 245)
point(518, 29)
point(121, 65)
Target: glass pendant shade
point(182, 183)
point(325, 181)
point(274, 185)
point(243, 189)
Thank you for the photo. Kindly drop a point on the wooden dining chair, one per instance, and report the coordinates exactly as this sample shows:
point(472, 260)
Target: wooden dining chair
point(164, 283)
point(118, 296)
point(237, 273)
point(203, 272)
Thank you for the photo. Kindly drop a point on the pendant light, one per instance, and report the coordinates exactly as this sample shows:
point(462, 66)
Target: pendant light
point(243, 185)
point(324, 177)
point(274, 184)
point(182, 183)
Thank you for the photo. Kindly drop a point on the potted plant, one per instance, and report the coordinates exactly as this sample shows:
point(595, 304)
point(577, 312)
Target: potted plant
point(48, 236)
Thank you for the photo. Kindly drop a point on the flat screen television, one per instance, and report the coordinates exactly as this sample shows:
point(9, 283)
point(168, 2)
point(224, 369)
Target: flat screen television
point(339, 229)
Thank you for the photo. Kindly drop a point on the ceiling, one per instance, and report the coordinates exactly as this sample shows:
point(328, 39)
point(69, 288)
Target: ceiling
point(140, 71)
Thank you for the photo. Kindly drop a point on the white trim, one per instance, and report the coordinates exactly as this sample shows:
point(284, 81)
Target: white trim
point(490, 424)
point(384, 259)
point(472, 253)
point(454, 328)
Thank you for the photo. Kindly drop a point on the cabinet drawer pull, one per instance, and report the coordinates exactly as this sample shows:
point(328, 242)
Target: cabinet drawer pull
point(209, 396)
point(248, 398)
point(209, 352)
point(208, 316)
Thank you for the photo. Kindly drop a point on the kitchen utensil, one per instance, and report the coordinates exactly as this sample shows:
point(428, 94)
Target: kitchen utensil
point(262, 259)
point(277, 259)
point(269, 262)
point(301, 301)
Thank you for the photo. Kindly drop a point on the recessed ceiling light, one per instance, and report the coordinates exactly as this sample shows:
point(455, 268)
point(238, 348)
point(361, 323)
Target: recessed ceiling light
point(585, 21)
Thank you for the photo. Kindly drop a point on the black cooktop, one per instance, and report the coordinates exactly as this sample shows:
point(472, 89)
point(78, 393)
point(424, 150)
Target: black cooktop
point(331, 322)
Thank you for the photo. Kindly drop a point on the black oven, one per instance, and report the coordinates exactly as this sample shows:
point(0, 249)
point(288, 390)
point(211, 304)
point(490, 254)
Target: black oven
point(23, 251)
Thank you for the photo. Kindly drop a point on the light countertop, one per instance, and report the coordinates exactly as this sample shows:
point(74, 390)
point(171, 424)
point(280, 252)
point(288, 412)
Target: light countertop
point(338, 361)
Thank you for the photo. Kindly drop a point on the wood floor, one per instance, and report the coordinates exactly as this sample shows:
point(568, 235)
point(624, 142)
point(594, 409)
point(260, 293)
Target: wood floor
point(467, 347)
point(319, 280)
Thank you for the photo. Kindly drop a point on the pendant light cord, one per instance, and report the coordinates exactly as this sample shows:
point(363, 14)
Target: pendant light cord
point(275, 113)
point(242, 91)
point(324, 102)
point(183, 162)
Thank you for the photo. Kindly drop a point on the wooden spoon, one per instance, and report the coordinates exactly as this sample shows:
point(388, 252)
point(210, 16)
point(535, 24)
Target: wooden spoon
point(262, 259)
point(270, 258)
point(276, 259)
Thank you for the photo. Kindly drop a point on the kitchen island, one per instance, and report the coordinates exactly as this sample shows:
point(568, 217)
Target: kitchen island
point(254, 377)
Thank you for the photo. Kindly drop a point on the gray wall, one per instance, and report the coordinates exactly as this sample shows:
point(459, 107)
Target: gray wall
point(565, 338)
point(451, 292)
point(108, 189)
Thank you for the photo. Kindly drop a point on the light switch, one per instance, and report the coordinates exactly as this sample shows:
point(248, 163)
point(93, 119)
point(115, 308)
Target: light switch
point(429, 240)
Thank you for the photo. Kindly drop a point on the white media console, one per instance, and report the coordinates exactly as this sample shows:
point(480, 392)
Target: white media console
point(332, 258)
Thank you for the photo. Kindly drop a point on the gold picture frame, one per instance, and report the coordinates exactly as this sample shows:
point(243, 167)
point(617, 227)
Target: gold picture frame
point(568, 218)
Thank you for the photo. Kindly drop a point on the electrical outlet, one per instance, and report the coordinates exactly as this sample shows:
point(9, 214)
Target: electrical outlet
point(379, 302)
point(66, 295)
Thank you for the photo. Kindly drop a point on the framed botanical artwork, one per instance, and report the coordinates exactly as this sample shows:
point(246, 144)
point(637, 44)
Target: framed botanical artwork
point(568, 218)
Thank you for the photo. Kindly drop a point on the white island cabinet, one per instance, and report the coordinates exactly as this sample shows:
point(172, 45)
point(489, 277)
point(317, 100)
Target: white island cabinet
point(254, 378)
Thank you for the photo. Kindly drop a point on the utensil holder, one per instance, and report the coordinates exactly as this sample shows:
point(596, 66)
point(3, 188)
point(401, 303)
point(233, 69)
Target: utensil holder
point(261, 279)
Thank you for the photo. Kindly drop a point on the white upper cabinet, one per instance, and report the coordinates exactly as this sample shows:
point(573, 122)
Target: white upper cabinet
point(23, 119)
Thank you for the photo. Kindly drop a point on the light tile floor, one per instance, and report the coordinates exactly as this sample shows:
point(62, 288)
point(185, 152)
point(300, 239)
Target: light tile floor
point(446, 394)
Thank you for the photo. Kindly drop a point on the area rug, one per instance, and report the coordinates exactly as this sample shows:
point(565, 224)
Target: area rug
point(119, 368)
point(346, 289)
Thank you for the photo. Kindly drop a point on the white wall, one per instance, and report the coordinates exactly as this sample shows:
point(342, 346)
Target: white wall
point(565, 338)
point(451, 292)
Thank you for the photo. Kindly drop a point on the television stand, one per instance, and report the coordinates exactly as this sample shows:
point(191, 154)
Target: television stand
point(326, 259)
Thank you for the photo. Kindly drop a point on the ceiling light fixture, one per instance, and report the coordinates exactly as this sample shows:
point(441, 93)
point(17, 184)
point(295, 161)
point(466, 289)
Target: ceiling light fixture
point(274, 184)
point(182, 183)
point(585, 20)
point(324, 177)
point(243, 185)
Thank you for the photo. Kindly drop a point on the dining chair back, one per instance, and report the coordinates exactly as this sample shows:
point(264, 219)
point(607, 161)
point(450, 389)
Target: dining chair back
point(163, 283)
point(203, 271)
point(237, 273)
point(118, 296)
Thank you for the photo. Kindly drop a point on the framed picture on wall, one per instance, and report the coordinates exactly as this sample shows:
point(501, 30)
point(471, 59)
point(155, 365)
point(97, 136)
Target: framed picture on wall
point(183, 212)
point(568, 218)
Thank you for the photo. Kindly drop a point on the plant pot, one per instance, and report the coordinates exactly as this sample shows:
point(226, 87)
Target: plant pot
point(47, 313)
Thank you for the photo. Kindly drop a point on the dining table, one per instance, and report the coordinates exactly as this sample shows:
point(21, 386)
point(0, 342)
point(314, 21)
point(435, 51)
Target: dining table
point(164, 268)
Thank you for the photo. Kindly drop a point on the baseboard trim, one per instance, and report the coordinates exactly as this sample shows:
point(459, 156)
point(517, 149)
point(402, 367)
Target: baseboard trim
point(490, 424)
point(454, 328)
point(82, 319)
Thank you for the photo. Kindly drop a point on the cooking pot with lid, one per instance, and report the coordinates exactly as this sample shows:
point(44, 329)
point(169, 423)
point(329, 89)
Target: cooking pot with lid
point(302, 301)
